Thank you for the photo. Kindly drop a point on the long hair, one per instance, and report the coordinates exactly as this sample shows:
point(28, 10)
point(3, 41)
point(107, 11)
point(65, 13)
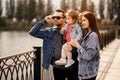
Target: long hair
point(92, 23)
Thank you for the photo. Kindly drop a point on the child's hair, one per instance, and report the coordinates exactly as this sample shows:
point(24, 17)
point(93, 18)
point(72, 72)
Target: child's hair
point(80, 18)
point(73, 14)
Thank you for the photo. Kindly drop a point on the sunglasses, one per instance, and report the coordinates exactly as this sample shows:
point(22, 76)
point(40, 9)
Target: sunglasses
point(56, 17)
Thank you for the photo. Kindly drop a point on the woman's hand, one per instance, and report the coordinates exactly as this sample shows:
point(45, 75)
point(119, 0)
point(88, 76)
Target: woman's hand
point(74, 43)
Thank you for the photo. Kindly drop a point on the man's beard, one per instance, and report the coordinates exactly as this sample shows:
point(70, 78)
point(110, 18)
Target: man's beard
point(58, 25)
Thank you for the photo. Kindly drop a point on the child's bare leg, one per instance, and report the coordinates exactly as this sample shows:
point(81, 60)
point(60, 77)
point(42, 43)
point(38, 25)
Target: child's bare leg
point(69, 56)
point(70, 61)
point(63, 52)
point(68, 51)
point(62, 60)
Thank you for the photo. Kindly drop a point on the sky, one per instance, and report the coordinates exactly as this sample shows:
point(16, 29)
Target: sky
point(55, 2)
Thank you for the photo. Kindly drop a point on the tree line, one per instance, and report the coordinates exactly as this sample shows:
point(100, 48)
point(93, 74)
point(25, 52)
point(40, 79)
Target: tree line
point(26, 12)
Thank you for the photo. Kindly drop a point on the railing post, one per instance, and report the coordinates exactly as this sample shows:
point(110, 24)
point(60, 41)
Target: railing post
point(37, 63)
point(117, 33)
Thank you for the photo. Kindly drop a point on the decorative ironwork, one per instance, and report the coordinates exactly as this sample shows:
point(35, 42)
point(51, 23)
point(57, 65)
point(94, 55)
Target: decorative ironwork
point(17, 67)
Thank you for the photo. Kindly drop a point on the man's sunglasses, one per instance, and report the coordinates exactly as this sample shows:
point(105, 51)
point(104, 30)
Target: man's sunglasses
point(56, 17)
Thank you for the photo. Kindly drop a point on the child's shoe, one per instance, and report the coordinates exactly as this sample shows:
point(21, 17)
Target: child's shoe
point(61, 62)
point(69, 63)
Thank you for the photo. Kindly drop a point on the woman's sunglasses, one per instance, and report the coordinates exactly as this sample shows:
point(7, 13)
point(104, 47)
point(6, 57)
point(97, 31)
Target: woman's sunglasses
point(56, 17)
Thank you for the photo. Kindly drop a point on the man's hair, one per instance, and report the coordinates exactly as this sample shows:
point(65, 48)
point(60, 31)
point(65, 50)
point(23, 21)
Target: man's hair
point(62, 11)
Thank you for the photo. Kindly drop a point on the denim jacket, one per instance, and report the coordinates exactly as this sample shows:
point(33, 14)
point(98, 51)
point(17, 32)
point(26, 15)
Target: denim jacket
point(49, 36)
point(89, 56)
point(76, 31)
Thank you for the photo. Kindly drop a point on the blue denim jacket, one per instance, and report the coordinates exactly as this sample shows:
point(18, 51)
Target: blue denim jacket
point(49, 36)
point(76, 31)
point(89, 57)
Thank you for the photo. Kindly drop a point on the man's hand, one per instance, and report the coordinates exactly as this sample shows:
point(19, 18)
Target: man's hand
point(48, 18)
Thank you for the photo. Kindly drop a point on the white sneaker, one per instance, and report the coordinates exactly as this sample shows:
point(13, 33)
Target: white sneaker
point(61, 62)
point(69, 63)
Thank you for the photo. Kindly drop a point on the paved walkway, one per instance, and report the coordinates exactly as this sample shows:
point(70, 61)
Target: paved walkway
point(110, 62)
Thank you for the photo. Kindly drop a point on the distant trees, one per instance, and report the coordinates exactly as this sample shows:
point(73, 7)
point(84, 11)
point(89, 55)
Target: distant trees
point(19, 10)
point(87, 5)
point(83, 5)
point(101, 8)
point(63, 4)
point(31, 10)
point(27, 10)
point(40, 10)
point(91, 6)
point(74, 5)
point(10, 9)
point(0, 8)
point(80, 5)
point(3, 21)
point(48, 7)
point(114, 10)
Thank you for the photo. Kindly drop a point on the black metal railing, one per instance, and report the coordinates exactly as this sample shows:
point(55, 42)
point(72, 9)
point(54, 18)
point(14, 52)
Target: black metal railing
point(17, 67)
point(107, 37)
point(21, 66)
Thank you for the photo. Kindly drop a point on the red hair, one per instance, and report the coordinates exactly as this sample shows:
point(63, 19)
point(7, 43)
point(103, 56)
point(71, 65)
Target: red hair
point(73, 14)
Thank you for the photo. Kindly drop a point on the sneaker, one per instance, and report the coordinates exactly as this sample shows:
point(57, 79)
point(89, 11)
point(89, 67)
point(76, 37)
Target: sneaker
point(69, 63)
point(61, 62)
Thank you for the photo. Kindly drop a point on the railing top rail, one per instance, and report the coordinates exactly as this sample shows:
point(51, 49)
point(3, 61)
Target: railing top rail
point(17, 59)
point(27, 52)
point(18, 66)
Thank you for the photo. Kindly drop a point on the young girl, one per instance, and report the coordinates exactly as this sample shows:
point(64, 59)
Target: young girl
point(72, 31)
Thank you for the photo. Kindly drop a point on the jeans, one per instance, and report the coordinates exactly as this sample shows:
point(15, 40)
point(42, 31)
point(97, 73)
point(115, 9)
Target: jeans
point(94, 78)
point(63, 73)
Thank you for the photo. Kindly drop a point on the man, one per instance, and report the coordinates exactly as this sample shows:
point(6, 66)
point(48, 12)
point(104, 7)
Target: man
point(52, 44)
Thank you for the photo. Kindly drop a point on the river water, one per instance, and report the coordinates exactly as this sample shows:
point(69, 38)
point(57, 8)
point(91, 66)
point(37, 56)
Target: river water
point(14, 42)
